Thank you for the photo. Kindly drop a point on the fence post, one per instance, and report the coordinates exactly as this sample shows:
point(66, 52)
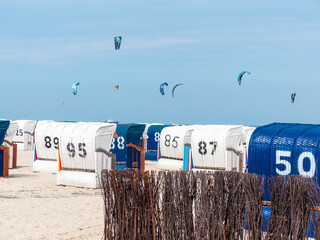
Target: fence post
point(142, 155)
point(241, 162)
point(158, 153)
point(152, 208)
point(14, 157)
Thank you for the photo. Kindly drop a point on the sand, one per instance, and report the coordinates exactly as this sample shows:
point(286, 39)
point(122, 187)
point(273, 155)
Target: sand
point(32, 206)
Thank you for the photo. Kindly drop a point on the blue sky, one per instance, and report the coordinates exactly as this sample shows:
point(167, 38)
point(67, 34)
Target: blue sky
point(46, 46)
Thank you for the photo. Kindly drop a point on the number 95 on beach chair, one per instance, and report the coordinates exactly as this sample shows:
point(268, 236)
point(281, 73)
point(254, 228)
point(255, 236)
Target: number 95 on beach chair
point(84, 153)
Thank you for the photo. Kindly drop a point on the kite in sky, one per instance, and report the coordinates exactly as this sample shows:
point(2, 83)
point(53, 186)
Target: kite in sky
point(75, 88)
point(117, 42)
point(241, 75)
point(293, 97)
point(174, 88)
point(162, 87)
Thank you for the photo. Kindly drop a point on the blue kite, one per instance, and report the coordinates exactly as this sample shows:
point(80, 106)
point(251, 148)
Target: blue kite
point(75, 88)
point(162, 87)
point(241, 75)
point(117, 42)
point(293, 97)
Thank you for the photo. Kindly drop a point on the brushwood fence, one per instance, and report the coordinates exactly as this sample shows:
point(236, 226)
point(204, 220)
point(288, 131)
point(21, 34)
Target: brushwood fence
point(207, 205)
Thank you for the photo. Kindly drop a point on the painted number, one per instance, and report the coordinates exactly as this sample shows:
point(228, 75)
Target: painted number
point(48, 141)
point(112, 144)
point(283, 158)
point(72, 151)
point(82, 150)
point(286, 164)
point(48, 144)
point(120, 143)
point(56, 143)
point(174, 141)
point(167, 140)
point(157, 137)
point(312, 160)
point(203, 147)
point(19, 132)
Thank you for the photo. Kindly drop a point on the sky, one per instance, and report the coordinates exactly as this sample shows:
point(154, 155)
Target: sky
point(46, 46)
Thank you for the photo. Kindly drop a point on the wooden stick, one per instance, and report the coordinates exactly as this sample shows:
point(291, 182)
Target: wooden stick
point(152, 210)
point(116, 193)
point(135, 209)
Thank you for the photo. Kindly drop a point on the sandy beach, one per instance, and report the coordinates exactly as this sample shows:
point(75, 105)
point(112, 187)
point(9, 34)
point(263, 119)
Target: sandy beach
point(32, 206)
